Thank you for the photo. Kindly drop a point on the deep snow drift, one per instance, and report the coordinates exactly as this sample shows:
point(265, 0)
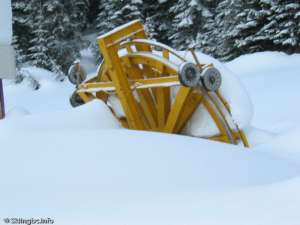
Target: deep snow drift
point(78, 166)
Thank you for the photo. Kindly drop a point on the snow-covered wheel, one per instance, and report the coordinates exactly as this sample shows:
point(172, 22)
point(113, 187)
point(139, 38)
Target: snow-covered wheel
point(76, 100)
point(76, 74)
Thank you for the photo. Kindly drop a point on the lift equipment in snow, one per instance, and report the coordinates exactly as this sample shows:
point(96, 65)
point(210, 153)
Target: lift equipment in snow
point(142, 74)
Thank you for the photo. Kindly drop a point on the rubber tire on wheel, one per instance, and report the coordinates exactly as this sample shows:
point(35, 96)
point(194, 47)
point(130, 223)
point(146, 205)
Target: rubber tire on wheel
point(76, 100)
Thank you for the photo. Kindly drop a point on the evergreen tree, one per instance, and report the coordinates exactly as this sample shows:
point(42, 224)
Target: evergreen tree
point(56, 36)
point(39, 50)
point(160, 13)
point(192, 24)
point(283, 26)
point(206, 39)
point(113, 13)
point(240, 23)
point(256, 25)
point(150, 28)
point(79, 14)
point(66, 31)
point(149, 11)
point(21, 30)
point(49, 32)
point(102, 17)
point(93, 10)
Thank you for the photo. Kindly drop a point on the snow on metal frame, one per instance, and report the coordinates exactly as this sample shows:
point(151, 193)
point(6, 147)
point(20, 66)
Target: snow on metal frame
point(156, 57)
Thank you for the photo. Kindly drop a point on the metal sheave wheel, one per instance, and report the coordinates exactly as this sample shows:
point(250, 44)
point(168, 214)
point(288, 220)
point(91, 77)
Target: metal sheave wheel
point(189, 74)
point(211, 79)
point(76, 100)
point(76, 74)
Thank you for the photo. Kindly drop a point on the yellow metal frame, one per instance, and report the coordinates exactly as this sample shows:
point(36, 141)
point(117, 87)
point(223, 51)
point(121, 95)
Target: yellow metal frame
point(142, 78)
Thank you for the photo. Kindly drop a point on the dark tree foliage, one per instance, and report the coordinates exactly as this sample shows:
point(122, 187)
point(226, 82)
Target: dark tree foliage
point(49, 33)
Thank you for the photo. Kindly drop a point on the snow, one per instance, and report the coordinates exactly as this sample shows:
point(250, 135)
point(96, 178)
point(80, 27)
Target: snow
point(5, 22)
point(157, 44)
point(52, 95)
point(156, 57)
point(78, 166)
point(272, 80)
point(87, 61)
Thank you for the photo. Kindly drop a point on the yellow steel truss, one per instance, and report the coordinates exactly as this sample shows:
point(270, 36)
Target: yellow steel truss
point(141, 74)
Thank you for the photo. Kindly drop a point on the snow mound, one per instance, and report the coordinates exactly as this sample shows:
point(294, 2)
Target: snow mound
point(286, 145)
point(94, 115)
point(264, 62)
point(273, 81)
point(17, 112)
point(52, 94)
point(107, 170)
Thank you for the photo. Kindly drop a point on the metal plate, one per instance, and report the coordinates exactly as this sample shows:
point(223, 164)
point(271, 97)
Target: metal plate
point(7, 62)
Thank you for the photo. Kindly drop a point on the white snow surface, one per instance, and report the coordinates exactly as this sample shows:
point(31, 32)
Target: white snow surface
point(5, 22)
point(78, 166)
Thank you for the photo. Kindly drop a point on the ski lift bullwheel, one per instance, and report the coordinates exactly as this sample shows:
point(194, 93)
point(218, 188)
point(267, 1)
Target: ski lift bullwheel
point(143, 75)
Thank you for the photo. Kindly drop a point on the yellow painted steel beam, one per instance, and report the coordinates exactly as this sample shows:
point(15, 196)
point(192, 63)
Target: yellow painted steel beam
point(152, 60)
point(193, 102)
point(223, 139)
point(128, 31)
point(244, 138)
point(102, 95)
point(219, 109)
point(177, 109)
point(119, 79)
point(149, 72)
point(138, 42)
point(86, 97)
point(216, 120)
point(163, 95)
point(134, 84)
point(146, 99)
point(241, 133)
point(109, 44)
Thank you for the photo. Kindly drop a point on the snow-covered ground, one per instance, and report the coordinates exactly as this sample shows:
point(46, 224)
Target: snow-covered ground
point(78, 166)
